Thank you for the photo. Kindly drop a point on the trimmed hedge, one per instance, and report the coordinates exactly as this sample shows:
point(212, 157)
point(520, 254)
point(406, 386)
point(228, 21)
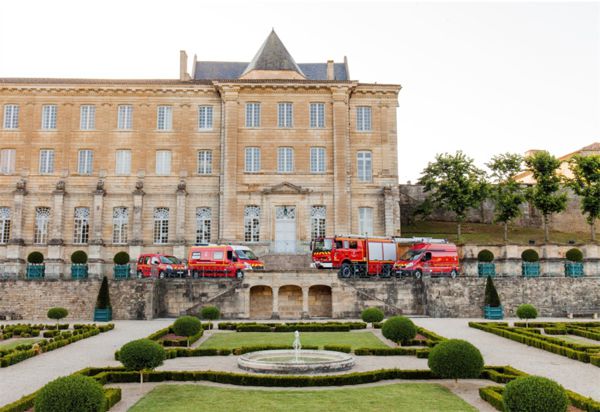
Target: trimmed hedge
point(534, 394)
point(574, 255)
point(399, 329)
point(485, 256)
point(338, 348)
point(71, 393)
point(372, 315)
point(293, 326)
point(111, 395)
point(456, 359)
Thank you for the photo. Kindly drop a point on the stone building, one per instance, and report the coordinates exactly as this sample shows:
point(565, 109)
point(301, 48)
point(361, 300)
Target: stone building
point(268, 153)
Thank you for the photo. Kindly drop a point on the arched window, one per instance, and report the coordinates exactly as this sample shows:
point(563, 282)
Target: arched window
point(81, 225)
point(317, 221)
point(120, 222)
point(203, 224)
point(4, 224)
point(42, 221)
point(161, 225)
point(252, 223)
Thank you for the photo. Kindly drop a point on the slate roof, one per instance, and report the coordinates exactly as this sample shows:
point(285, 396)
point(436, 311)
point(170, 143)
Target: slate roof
point(273, 55)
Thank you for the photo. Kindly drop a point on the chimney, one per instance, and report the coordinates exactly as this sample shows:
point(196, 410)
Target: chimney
point(330, 73)
point(183, 62)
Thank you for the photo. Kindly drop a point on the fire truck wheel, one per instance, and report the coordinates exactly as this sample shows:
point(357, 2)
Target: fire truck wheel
point(161, 275)
point(195, 274)
point(386, 271)
point(239, 274)
point(139, 274)
point(346, 271)
point(418, 274)
point(453, 274)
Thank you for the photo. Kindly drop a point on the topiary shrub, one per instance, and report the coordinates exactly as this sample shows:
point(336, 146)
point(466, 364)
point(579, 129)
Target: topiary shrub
point(574, 255)
point(491, 297)
point(372, 315)
point(485, 256)
point(79, 257)
point(187, 326)
point(103, 300)
point(527, 311)
point(71, 393)
point(534, 394)
point(530, 255)
point(58, 314)
point(210, 313)
point(121, 258)
point(399, 329)
point(455, 359)
point(142, 354)
point(35, 258)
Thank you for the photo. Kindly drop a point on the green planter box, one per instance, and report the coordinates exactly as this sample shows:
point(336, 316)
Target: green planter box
point(574, 269)
point(79, 271)
point(102, 315)
point(35, 271)
point(121, 271)
point(493, 312)
point(531, 269)
point(486, 269)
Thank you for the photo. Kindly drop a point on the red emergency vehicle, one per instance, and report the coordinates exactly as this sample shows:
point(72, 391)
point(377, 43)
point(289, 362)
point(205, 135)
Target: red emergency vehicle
point(355, 255)
point(159, 265)
point(426, 258)
point(246, 255)
point(216, 261)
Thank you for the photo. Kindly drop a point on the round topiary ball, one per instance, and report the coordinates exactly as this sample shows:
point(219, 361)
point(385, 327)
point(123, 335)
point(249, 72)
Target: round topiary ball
point(399, 329)
point(372, 315)
point(574, 255)
point(534, 394)
point(455, 359)
point(187, 326)
point(530, 256)
point(210, 313)
point(527, 311)
point(141, 354)
point(35, 258)
point(71, 393)
point(79, 257)
point(121, 258)
point(485, 256)
point(57, 313)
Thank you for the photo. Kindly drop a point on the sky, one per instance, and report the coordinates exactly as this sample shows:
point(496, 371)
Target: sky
point(482, 77)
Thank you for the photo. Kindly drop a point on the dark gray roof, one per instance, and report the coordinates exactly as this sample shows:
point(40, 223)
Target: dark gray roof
point(318, 71)
point(273, 55)
point(233, 70)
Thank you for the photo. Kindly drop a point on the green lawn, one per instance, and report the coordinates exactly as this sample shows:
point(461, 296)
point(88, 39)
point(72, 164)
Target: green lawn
point(239, 339)
point(576, 339)
point(14, 343)
point(420, 397)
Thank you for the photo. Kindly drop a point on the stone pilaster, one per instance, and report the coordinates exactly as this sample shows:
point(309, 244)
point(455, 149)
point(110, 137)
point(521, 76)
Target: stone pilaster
point(179, 247)
point(138, 204)
point(305, 313)
point(15, 264)
point(511, 263)
point(275, 314)
point(341, 162)
point(391, 212)
point(228, 180)
point(56, 224)
point(95, 261)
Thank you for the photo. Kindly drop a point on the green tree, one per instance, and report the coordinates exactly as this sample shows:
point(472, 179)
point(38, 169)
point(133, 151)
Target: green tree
point(546, 194)
point(586, 184)
point(506, 192)
point(454, 183)
point(103, 300)
point(140, 355)
point(57, 314)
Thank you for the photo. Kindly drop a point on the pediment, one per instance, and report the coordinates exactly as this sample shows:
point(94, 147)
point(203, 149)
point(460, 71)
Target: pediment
point(285, 188)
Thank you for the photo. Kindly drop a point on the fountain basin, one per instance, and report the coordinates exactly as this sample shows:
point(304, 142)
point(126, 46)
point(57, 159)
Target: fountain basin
point(283, 361)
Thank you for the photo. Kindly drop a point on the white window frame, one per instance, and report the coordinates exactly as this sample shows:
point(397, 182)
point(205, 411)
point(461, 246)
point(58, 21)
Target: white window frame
point(285, 159)
point(85, 162)
point(205, 117)
point(123, 162)
point(163, 162)
point(317, 115)
point(205, 162)
point(203, 224)
point(161, 226)
point(252, 114)
point(120, 224)
point(285, 115)
point(7, 161)
point(125, 117)
point(164, 118)
point(46, 161)
point(252, 159)
point(11, 116)
point(42, 224)
point(87, 117)
point(317, 159)
point(252, 223)
point(365, 221)
point(4, 225)
point(364, 117)
point(318, 221)
point(49, 115)
point(81, 225)
point(364, 166)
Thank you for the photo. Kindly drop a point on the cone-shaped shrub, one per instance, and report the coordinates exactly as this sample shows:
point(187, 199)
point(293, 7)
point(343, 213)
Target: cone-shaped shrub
point(103, 301)
point(491, 295)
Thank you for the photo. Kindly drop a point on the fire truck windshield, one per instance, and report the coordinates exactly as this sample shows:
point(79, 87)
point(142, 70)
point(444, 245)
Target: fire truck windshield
point(322, 245)
point(246, 254)
point(170, 260)
point(412, 255)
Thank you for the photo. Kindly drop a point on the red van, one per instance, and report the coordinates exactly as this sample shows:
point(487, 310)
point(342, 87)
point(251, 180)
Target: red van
point(166, 266)
point(433, 259)
point(215, 261)
point(246, 255)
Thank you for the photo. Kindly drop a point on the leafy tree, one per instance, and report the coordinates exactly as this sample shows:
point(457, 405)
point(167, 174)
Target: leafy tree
point(454, 183)
point(399, 329)
point(58, 314)
point(372, 315)
point(455, 359)
point(507, 193)
point(546, 195)
point(586, 184)
point(527, 311)
point(187, 326)
point(71, 393)
point(142, 354)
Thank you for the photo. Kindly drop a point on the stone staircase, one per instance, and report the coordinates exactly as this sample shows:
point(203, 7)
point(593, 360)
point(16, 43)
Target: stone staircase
point(215, 299)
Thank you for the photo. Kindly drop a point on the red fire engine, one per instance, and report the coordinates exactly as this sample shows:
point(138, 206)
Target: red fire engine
point(355, 255)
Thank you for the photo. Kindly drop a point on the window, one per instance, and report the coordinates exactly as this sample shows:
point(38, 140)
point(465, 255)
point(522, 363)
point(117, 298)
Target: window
point(49, 116)
point(124, 116)
point(252, 223)
point(252, 159)
point(285, 159)
point(317, 222)
point(81, 225)
point(11, 116)
point(164, 118)
point(163, 162)
point(4, 224)
point(317, 115)
point(161, 225)
point(42, 220)
point(205, 117)
point(204, 162)
point(365, 220)
point(123, 162)
point(363, 160)
point(252, 114)
point(46, 161)
point(285, 115)
point(203, 216)
point(7, 161)
point(86, 158)
point(363, 118)
point(87, 117)
point(317, 159)
point(120, 221)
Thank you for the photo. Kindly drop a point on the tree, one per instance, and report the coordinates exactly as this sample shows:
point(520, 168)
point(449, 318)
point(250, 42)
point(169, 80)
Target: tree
point(187, 326)
point(58, 314)
point(455, 184)
point(527, 311)
point(455, 359)
point(71, 393)
point(586, 184)
point(534, 394)
point(506, 192)
point(399, 329)
point(142, 354)
point(491, 297)
point(546, 194)
point(372, 315)
point(210, 313)
point(103, 300)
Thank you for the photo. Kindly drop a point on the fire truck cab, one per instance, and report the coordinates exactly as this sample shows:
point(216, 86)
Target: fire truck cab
point(428, 258)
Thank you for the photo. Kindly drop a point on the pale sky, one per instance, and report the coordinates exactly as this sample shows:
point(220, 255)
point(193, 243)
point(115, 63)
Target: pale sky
point(483, 77)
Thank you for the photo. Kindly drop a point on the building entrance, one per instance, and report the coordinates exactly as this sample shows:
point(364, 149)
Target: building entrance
point(285, 229)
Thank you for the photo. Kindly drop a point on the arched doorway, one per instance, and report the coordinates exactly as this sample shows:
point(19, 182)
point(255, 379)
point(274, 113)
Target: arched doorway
point(290, 302)
point(261, 302)
point(319, 301)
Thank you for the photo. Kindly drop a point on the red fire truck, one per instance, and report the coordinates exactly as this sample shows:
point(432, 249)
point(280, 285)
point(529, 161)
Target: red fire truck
point(355, 255)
